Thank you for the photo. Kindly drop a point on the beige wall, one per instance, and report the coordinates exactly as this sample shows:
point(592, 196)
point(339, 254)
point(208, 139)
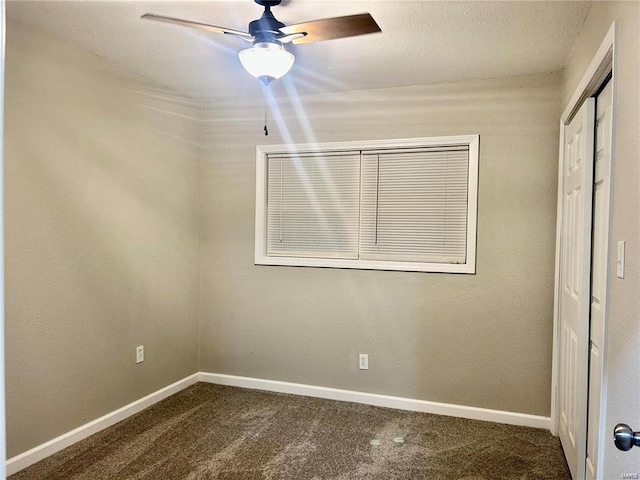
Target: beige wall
point(102, 237)
point(623, 369)
point(482, 340)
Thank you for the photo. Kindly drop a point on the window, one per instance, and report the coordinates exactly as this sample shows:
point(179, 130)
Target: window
point(389, 205)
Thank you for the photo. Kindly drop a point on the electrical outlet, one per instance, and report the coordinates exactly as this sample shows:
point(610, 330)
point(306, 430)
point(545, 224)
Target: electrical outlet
point(140, 354)
point(363, 362)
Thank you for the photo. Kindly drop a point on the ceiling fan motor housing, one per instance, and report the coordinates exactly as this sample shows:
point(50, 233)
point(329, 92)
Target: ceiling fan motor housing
point(267, 27)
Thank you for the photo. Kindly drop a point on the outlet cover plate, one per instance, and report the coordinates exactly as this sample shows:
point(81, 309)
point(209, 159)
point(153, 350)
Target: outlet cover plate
point(363, 361)
point(140, 354)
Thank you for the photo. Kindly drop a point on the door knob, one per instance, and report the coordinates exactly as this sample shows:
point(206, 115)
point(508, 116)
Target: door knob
point(625, 438)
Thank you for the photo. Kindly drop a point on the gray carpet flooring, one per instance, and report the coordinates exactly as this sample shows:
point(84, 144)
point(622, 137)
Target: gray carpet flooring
point(226, 433)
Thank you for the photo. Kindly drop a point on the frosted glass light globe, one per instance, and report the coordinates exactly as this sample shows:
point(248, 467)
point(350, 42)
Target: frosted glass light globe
point(266, 61)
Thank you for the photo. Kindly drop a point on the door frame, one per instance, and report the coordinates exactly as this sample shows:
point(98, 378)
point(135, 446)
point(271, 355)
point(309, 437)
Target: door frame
point(3, 443)
point(604, 61)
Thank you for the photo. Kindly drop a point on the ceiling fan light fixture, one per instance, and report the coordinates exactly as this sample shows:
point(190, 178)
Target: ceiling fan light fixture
point(266, 61)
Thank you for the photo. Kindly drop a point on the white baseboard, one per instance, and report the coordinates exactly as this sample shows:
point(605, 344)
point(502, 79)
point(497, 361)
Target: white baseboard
point(17, 463)
point(475, 413)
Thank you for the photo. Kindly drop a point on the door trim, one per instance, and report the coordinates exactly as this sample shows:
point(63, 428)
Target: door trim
point(604, 61)
point(594, 76)
point(3, 423)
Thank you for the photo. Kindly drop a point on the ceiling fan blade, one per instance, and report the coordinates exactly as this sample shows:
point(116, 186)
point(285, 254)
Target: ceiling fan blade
point(330, 28)
point(201, 26)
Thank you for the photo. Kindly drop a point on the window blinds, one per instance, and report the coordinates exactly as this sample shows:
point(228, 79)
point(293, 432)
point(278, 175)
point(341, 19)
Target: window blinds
point(414, 205)
point(401, 205)
point(313, 205)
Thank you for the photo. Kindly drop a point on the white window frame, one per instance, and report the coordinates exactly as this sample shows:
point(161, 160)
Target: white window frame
point(263, 151)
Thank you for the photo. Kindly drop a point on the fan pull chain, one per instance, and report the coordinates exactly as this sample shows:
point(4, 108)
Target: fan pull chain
point(266, 99)
point(266, 131)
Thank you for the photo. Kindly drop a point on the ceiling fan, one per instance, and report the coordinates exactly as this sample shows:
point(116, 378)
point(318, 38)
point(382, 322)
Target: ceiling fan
point(268, 60)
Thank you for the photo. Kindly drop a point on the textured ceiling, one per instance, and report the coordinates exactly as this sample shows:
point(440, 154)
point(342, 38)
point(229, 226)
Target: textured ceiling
point(422, 42)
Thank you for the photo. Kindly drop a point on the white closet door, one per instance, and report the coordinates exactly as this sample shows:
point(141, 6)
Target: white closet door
point(599, 279)
point(575, 296)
